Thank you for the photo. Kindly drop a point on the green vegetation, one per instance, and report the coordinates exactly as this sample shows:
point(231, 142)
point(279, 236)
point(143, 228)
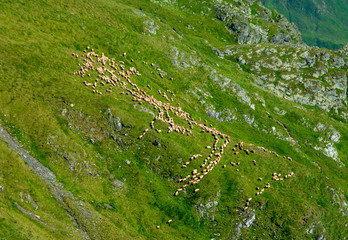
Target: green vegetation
point(322, 23)
point(75, 133)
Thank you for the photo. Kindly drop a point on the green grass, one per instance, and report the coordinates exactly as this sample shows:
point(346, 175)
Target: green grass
point(322, 25)
point(36, 42)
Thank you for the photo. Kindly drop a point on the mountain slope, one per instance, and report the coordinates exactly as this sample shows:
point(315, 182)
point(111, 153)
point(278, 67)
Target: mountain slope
point(123, 186)
point(322, 23)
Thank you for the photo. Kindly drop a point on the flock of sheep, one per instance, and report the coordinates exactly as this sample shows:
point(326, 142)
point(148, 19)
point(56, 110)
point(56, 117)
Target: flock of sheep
point(113, 74)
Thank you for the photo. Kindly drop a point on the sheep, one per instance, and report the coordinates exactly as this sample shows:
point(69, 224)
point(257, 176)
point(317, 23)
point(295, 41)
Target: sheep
point(157, 227)
point(249, 199)
point(260, 179)
point(224, 166)
point(171, 79)
point(196, 190)
point(244, 209)
point(236, 153)
point(169, 221)
point(237, 170)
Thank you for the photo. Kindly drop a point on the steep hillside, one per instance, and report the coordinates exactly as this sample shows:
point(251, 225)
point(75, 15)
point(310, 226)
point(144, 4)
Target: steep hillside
point(168, 120)
point(322, 23)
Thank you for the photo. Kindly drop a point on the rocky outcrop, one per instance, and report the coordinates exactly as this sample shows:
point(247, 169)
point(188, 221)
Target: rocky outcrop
point(250, 22)
point(314, 76)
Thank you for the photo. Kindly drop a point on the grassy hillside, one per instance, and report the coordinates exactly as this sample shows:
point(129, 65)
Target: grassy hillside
point(322, 23)
point(123, 187)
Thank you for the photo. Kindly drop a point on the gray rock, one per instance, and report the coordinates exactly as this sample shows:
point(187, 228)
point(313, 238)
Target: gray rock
point(335, 136)
point(32, 201)
point(280, 38)
point(338, 62)
point(118, 183)
point(151, 27)
point(218, 52)
point(248, 119)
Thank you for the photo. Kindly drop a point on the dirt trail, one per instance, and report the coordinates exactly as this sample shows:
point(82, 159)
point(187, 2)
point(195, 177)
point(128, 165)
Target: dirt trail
point(47, 175)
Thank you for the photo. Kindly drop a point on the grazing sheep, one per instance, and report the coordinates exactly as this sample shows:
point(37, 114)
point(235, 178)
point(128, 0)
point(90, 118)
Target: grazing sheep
point(169, 221)
point(196, 190)
point(260, 179)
